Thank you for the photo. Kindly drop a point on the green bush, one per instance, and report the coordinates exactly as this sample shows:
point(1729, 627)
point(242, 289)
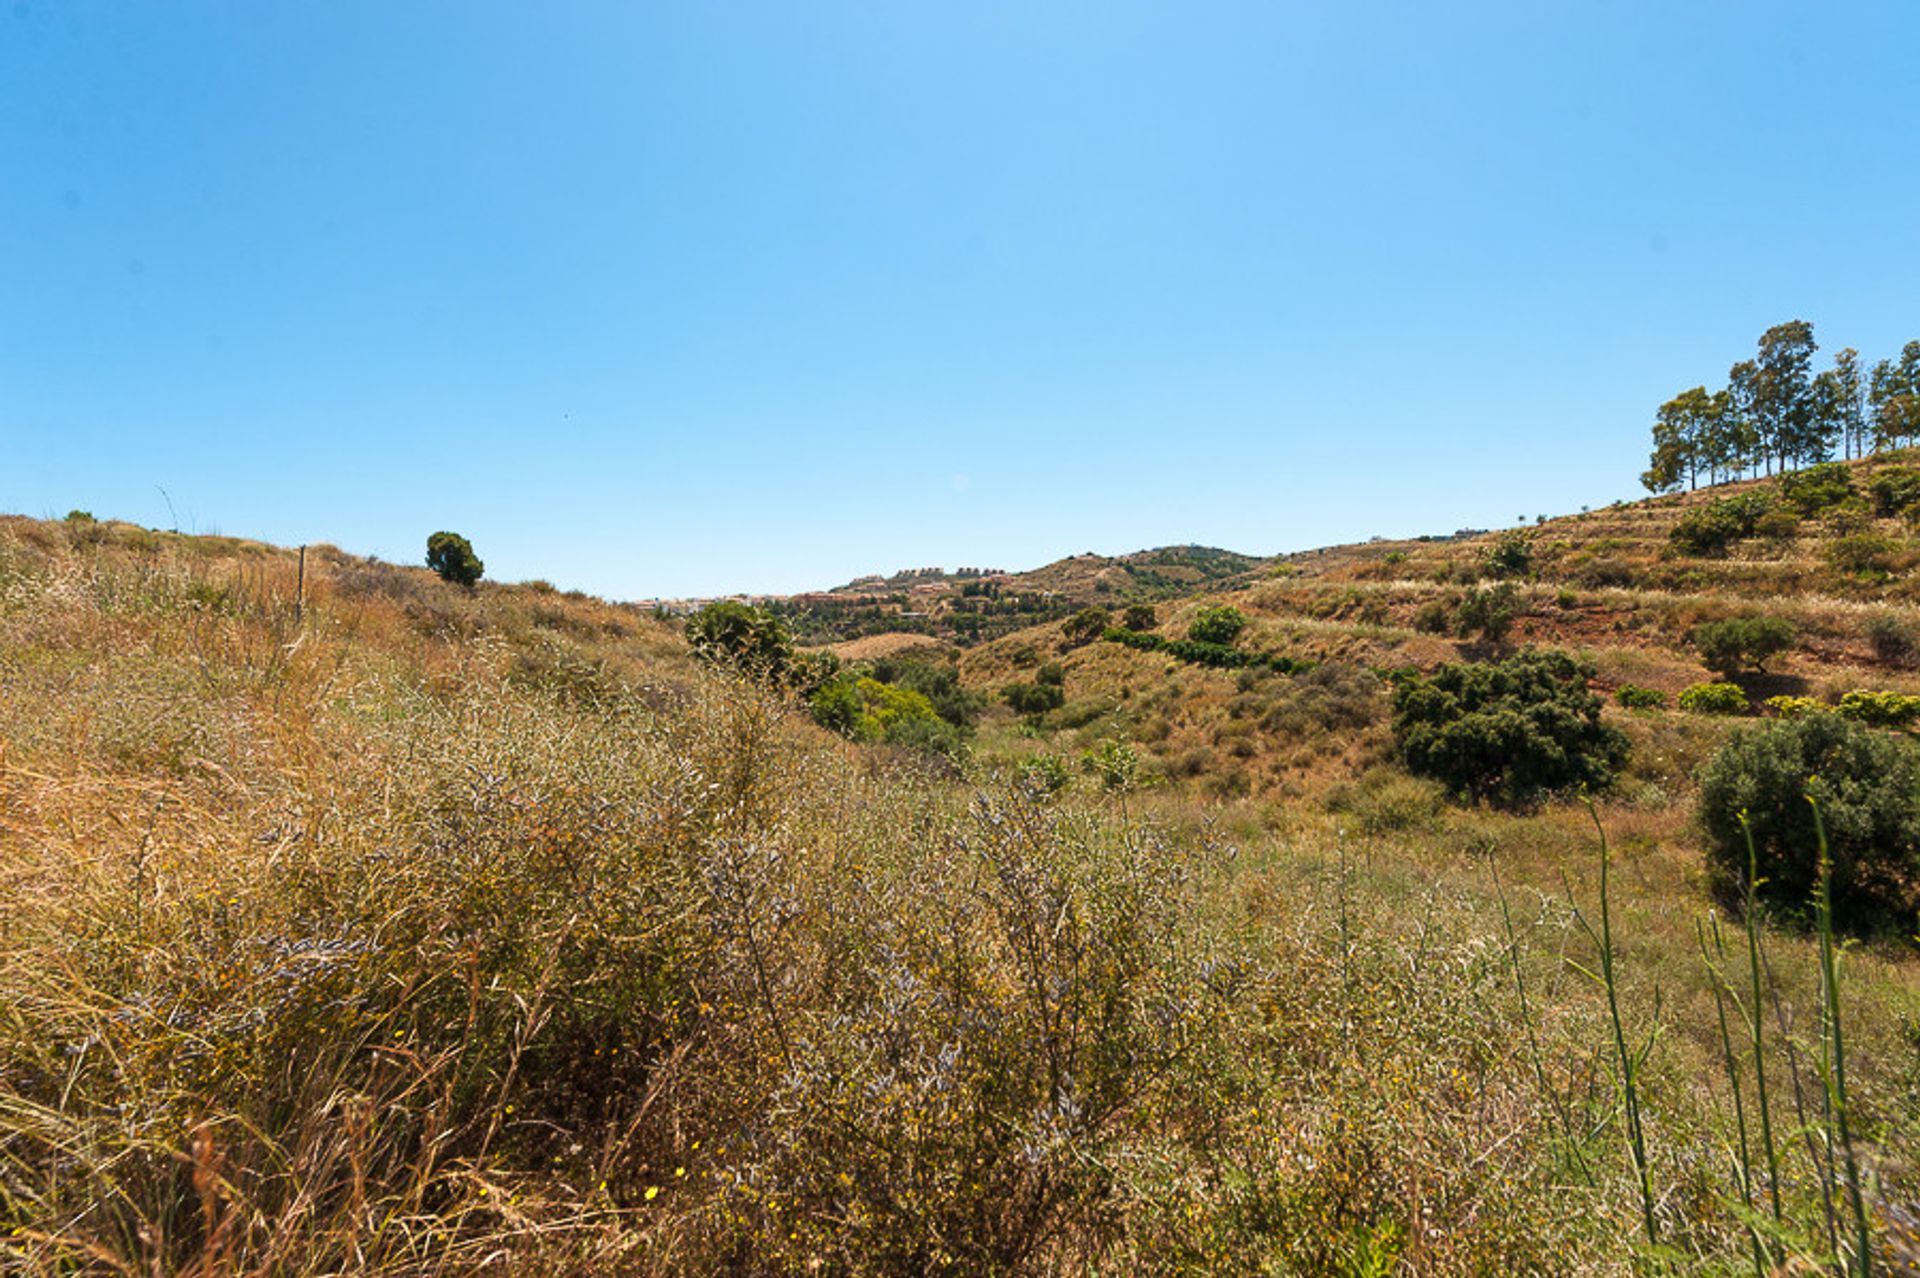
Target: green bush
point(741, 636)
point(1894, 488)
point(1511, 555)
point(1221, 624)
point(1710, 529)
point(1880, 709)
point(1433, 617)
point(1052, 674)
point(1740, 643)
point(1863, 554)
point(1488, 613)
point(1142, 640)
point(1034, 699)
point(1508, 731)
point(1043, 774)
point(1140, 616)
point(1115, 763)
point(452, 557)
point(1777, 525)
point(1634, 697)
point(1714, 698)
point(1795, 707)
point(939, 683)
point(1086, 625)
point(1817, 488)
point(1867, 785)
point(1894, 642)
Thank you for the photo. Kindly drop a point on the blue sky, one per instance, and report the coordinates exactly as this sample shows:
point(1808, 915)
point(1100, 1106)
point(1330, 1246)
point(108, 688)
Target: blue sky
point(662, 299)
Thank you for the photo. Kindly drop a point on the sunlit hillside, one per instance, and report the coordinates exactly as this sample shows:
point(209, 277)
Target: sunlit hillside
point(362, 922)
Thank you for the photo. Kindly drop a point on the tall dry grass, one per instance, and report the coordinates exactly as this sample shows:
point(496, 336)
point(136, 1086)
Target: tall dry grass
point(440, 932)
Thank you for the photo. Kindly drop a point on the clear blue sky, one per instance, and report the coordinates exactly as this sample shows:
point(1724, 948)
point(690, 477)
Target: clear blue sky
point(661, 299)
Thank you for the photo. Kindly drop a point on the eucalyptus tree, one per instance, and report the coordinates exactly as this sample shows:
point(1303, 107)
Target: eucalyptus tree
point(1784, 402)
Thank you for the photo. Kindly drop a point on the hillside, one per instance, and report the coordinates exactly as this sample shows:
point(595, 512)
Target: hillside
point(971, 605)
point(1610, 585)
point(360, 922)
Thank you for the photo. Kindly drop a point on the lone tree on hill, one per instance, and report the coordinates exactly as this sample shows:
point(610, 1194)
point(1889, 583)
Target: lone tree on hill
point(451, 555)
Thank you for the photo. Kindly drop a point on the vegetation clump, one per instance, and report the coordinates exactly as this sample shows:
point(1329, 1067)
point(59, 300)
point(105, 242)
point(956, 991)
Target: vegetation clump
point(1086, 625)
point(1710, 530)
point(1714, 698)
point(742, 637)
point(1880, 709)
point(1507, 732)
point(1220, 625)
point(1634, 697)
point(1816, 489)
point(1867, 788)
point(1736, 644)
point(1488, 613)
point(452, 557)
point(1511, 555)
point(1863, 554)
point(1894, 642)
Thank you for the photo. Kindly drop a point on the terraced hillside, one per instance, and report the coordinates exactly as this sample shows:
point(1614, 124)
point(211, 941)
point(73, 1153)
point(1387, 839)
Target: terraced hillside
point(1616, 586)
point(971, 605)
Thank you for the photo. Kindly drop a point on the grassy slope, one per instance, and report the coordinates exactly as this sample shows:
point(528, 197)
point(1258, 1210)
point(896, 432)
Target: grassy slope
point(444, 925)
point(1605, 586)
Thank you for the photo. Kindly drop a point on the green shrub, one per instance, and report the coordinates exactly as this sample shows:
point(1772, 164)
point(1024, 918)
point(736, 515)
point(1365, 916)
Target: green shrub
point(1488, 613)
point(1034, 699)
point(1710, 529)
point(1634, 697)
point(1221, 624)
point(1817, 488)
point(939, 683)
point(1867, 785)
point(1795, 707)
point(1894, 488)
point(1053, 674)
point(741, 636)
point(1086, 625)
point(865, 709)
point(1433, 617)
point(1043, 774)
point(1894, 642)
point(1777, 525)
point(1739, 643)
point(1115, 763)
point(1880, 709)
point(1508, 731)
point(1140, 616)
point(1144, 641)
point(1714, 698)
point(1863, 554)
point(1511, 555)
point(452, 557)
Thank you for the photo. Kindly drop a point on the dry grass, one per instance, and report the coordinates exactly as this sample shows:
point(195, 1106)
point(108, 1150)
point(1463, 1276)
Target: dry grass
point(440, 932)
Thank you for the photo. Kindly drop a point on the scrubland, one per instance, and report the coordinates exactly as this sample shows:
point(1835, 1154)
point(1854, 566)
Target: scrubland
point(437, 931)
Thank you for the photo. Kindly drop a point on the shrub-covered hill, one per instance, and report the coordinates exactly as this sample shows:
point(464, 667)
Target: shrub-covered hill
point(1826, 552)
point(970, 606)
point(379, 925)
